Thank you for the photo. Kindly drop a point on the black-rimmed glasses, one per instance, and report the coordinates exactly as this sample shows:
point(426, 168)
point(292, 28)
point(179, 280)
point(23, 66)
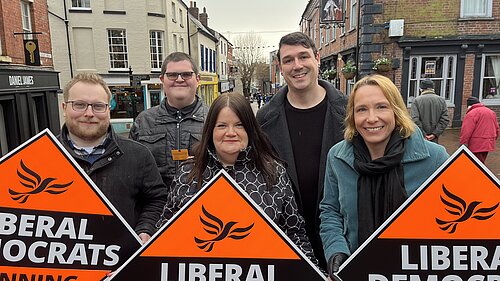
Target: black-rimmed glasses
point(174, 75)
point(81, 106)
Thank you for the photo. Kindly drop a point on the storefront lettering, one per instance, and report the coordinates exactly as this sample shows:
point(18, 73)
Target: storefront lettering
point(21, 80)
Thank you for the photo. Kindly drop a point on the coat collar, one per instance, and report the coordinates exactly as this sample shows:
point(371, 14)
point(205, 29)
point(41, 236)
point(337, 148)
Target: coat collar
point(415, 149)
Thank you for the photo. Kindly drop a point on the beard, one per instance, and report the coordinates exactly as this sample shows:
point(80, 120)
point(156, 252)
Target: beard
point(89, 134)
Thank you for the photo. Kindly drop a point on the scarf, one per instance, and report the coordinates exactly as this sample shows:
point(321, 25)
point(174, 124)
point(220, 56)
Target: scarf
point(381, 188)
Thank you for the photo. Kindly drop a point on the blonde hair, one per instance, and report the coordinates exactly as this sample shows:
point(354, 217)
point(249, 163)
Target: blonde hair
point(392, 94)
point(89, 78)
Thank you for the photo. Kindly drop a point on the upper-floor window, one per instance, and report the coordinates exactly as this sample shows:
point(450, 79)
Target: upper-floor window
point(314, 35)
point(327, 34)
point(321, 37)
point(174, 16)
point(333, 30)
point(202, 57)
point(475, 8)
point(26, 15)
point(80, 4)
point(174, 42)
point(344, 11)
point(490, 82)
point(156, 47)
point(181, 18)
point(353, 18)
point(117, 45)
point(440, 69)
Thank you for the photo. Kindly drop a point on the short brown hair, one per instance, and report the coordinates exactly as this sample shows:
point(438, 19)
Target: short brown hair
point(297, 38)
point(89, 78)
point(392, 94)
point(176, 57)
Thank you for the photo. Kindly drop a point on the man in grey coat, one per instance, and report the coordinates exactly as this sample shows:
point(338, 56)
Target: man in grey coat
point(171, 129)
point(430, 112)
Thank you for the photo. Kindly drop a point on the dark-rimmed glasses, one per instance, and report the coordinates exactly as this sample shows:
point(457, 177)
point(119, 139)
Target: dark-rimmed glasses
point(81, 106)
point(172, 76)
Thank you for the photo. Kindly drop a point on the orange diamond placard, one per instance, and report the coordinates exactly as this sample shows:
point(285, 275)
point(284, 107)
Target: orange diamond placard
point(449, 229)
point(220, 234)
point(55, 224)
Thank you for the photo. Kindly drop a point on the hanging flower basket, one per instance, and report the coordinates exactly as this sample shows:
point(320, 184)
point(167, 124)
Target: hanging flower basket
point(349, 70)
point(329, 74)
point(382, 64)
point(384, 67)
point(349, 75)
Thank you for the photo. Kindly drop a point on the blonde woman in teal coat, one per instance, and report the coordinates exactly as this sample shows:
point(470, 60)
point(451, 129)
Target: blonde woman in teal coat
point(383, 159)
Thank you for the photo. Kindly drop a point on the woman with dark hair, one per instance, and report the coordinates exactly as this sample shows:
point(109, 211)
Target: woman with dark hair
point(232, 140)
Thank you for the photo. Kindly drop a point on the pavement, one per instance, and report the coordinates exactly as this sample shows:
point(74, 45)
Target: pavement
point(450, 140)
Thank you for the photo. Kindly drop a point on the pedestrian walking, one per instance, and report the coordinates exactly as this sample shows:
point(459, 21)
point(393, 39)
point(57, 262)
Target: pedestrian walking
point(171, 129)
point(303, 120)
point(430, 112)
point(479, 129)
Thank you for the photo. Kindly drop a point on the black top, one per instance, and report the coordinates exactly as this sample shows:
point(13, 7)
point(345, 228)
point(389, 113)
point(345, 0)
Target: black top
point(305, 127)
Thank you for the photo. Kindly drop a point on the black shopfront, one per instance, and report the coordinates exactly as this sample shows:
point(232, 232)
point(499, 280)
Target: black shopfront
point(28, 104)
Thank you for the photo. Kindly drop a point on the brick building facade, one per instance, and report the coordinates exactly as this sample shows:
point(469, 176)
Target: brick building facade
point(28, 83)
point(456, 43)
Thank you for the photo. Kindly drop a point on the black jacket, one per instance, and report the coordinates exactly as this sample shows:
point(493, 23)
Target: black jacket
point(127, 174)
point(272, 119)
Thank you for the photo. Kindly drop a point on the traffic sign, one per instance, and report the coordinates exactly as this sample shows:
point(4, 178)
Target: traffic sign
point(55, 224)
point(448, 230)
point(220, 234)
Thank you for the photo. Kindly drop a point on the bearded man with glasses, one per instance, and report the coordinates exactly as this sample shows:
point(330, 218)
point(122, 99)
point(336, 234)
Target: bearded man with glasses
point(124, 170)
point(171, 128)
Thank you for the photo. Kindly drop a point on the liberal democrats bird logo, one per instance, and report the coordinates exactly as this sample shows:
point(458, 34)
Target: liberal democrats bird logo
point(35, 184)
point(457, 207)
point(217, 228)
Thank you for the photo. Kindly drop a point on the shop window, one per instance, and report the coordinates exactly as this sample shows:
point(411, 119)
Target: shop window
point(155, 98)
point(128, 103)
point(39, 113)
point(8, 123)
point(490, 82)
point(440, 69)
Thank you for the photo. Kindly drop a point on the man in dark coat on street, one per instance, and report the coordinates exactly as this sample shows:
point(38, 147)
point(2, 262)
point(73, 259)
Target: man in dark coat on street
point(124, 170)
point(304, 120)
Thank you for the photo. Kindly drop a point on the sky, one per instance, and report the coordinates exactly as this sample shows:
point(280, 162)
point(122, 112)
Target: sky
point(270, 18)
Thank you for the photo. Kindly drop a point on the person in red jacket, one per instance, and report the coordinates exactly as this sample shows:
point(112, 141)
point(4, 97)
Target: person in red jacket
point(479, 129)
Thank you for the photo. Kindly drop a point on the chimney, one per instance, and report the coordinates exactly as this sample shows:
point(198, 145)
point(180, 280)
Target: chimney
point(204, 17)
point(193, 10)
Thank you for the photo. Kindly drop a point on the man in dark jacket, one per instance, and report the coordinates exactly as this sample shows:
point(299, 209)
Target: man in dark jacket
point(124, 170)
point(304, 120)
point(171, 129)
point(430, 112)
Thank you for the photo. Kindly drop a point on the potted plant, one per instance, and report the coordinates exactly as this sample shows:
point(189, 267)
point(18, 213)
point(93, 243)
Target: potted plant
point(349, 70)
point(329, 74)
point(382, 64)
